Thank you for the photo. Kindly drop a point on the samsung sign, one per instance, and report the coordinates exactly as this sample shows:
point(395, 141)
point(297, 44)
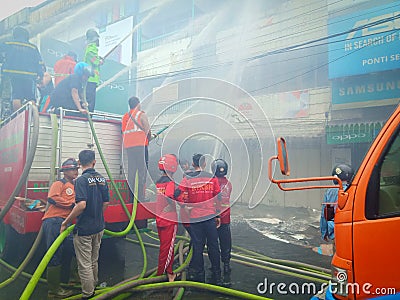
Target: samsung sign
point(385, 87)
point(370, 41)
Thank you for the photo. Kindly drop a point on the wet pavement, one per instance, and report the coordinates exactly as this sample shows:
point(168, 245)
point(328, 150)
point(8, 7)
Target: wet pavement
point(288, 233)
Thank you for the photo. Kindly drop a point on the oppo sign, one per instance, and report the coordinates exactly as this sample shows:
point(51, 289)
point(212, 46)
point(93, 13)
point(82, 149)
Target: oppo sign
point(346, 138)
point(349, 137)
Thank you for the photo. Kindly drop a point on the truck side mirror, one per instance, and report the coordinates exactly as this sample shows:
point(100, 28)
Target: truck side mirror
point(342, 199)
point(283, 156)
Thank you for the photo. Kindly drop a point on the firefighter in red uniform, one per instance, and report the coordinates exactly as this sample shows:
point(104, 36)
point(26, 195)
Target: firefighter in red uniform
point(199, 192)
point(220, 169)
point(136, 135)
point(166, 216)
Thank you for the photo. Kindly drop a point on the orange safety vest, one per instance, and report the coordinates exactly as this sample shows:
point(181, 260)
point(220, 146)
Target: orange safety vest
point(132, 134)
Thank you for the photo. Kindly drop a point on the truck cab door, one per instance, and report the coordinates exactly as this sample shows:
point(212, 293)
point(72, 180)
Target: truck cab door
point(376, 220)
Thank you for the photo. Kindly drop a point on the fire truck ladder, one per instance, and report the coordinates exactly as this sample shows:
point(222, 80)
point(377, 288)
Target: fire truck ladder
point(46, 163)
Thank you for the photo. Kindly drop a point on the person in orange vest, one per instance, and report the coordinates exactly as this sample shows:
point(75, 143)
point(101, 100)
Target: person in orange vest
point(136, 134)
point(64, 67)
point(61, 200)
point(166, 215)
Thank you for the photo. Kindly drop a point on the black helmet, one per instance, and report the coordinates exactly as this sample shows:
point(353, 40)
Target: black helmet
point(92, 35)
point(343, 171)
point(20, 34)
point(69, 164)
point(219, 167)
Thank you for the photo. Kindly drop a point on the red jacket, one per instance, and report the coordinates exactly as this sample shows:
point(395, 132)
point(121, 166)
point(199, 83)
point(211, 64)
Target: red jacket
point(63, 68)
point(199, 190)
point(165, 209)
point(223, 206)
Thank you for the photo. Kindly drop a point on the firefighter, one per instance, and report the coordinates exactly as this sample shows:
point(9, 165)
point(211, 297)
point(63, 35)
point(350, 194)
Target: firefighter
point(64, 67)
point(166, 216)
point(345, 173)
point(68, 94)
point(199, 190)
point(23, 67)
point(220, 169)
point(136, 134)
point(61, 200)
point(93, 59)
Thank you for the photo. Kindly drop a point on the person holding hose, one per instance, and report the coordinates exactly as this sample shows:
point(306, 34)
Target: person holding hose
point(61, 200)
point(136, 134)
point(69, 93)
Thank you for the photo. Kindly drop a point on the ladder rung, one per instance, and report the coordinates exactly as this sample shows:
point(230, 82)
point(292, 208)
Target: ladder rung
point(41, 168)
point(44, 146)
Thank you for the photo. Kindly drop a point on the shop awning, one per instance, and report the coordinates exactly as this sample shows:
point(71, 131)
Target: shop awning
point(352, 133)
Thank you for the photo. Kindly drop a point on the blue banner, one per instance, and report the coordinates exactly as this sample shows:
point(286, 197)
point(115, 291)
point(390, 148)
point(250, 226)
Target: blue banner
point(367, 41)
point(372, 87)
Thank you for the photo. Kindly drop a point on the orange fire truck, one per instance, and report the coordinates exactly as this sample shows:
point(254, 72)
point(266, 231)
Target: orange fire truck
point(366, 263)
point(32, 148)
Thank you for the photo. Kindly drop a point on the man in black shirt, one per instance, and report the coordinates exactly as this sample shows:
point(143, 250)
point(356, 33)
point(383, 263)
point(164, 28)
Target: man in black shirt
point(91, 199)
point(68, 93)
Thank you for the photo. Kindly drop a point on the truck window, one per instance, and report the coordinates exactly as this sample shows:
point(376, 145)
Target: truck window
point(389, 180)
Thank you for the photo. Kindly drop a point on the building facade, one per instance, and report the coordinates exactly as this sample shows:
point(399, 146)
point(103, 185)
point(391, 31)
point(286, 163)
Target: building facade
point(322, 74)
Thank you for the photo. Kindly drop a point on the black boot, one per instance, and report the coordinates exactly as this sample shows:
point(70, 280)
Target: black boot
point(198, 276)
point(227, 268)
point(216, 277)
point(227, 275)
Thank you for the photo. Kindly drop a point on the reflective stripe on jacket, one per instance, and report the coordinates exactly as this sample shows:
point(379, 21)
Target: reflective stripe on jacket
point(22, 59)
point(132, 134)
